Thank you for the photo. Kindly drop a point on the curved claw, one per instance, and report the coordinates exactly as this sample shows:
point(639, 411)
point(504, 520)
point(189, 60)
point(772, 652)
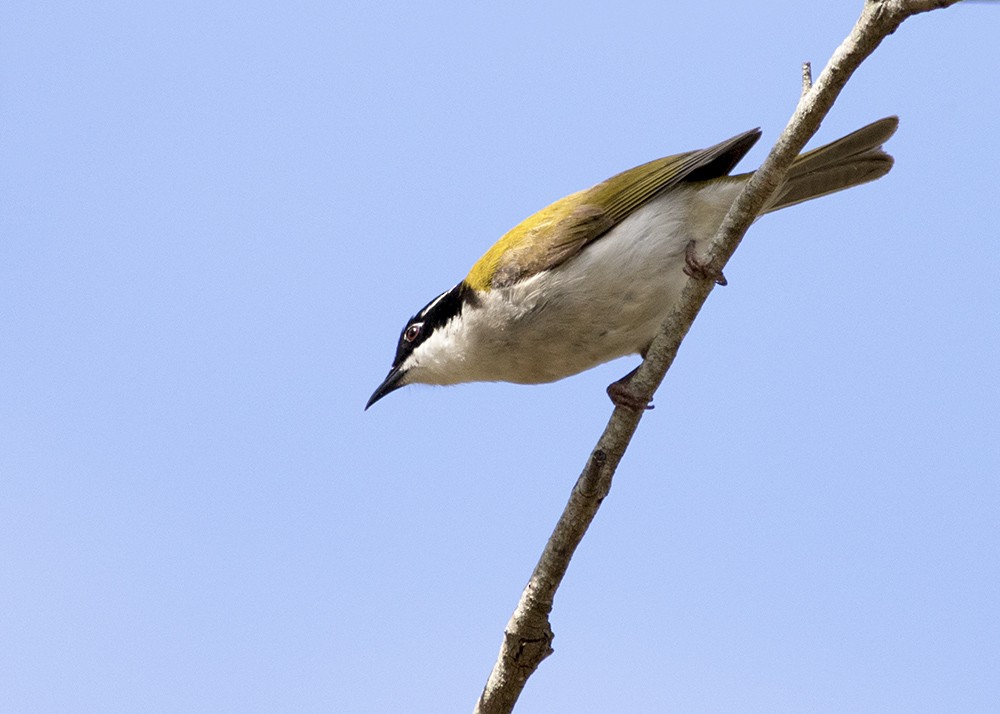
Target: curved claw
point(696, 267)
point(621, 394)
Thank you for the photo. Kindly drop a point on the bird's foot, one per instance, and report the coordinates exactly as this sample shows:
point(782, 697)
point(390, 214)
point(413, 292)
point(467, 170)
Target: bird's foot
point(622, 395)
point(696, 267)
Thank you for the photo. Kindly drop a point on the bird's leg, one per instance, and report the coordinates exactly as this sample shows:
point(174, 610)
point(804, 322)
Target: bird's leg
point(696, 268)
point(622, 395)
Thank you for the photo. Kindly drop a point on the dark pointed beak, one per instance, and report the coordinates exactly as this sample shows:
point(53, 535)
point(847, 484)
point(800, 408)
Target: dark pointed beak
point(390, 384)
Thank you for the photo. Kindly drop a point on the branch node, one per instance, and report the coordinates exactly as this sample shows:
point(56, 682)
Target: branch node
point(589, 484)
point(807, 78)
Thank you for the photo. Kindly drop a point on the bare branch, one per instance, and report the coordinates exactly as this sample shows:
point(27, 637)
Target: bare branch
point(528, 635)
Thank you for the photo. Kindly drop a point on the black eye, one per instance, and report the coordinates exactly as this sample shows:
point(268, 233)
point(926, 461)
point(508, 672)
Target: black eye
point(412, 332)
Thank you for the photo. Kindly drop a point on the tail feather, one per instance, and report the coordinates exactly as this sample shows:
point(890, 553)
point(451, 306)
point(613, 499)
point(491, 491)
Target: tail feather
point(850, 161)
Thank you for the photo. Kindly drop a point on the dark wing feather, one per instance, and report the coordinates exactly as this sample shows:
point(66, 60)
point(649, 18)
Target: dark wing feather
point(560, 231)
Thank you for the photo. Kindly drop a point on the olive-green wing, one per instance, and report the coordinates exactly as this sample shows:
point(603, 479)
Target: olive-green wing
point(563, 229)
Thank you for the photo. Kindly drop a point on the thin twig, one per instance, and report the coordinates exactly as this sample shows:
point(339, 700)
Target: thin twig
point(807, 77)
point(528, 635)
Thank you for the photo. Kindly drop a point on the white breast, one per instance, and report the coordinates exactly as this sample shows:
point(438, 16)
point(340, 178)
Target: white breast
point(605, 303)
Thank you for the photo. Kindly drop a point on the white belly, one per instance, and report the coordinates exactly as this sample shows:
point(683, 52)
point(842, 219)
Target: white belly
point(605, 303)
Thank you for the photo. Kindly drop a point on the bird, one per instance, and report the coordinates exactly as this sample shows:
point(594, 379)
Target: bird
point(591, 277)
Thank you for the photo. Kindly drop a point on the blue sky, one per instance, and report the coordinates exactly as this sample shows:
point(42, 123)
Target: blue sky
point(216, 217)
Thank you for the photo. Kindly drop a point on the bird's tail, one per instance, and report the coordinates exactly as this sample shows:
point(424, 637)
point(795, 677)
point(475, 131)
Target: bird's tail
point(855, 159)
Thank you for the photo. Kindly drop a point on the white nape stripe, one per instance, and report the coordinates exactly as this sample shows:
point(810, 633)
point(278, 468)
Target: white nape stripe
point(423, 313)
